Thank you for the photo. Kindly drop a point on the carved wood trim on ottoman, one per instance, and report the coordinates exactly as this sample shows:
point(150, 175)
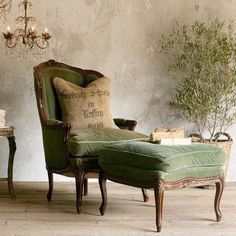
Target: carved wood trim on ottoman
point(145, 165)
point(160, 186)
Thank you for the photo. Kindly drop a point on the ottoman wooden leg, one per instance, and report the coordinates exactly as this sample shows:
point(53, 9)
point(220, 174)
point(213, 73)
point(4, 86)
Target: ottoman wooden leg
point(85, 187)
point(145, 195)
point(159, 196)
point(219, 192)
point(103, 188)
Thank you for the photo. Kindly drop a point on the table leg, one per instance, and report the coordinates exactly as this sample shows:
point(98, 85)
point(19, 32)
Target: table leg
point(12, 150)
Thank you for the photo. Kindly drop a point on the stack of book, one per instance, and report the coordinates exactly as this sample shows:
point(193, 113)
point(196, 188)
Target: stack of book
point(174, 136)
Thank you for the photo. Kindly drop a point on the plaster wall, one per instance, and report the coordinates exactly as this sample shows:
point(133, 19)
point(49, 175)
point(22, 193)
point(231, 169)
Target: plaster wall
point(116, 37)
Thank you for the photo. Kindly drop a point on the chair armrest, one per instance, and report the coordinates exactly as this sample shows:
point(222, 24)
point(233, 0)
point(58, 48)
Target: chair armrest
point(55, 137)
point(58, 125)
point(52, 123)
point(125, 124)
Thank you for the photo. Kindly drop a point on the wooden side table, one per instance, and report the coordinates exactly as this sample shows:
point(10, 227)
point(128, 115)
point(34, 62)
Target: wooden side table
point(8, 132)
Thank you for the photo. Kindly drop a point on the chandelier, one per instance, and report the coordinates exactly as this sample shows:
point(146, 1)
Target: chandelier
point(25, 32)
point(5, 6)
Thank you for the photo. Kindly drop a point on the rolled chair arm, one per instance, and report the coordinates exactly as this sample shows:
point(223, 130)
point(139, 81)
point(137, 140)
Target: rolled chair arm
point(125, 124)
point(58, 125)
point(52, 123)
point(55, 137)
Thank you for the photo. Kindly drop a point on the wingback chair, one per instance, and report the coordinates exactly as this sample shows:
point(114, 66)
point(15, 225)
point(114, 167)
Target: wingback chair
point(56, 134)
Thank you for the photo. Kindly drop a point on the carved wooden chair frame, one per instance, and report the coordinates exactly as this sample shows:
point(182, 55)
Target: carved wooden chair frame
point(81, 175)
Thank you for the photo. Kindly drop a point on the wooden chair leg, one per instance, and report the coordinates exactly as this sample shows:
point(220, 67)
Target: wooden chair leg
point(85, 187)
point(145, 195)
point(79, 181)
point(218, 195)
point(159, 196)
point(50, 181)
point(102, 184)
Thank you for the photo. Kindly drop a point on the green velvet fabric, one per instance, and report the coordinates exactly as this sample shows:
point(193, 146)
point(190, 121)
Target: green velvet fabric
point(84, 163)
point(92, 141)
point(53, 141)
point(139, 174)
point(146, 161)
point(90, 78)
point(50, 99)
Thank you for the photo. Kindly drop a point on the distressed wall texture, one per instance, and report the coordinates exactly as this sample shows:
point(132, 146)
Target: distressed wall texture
point(116, 37)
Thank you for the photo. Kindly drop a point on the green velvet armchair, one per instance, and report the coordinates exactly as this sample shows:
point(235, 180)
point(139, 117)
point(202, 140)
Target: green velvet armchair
point(81, 163)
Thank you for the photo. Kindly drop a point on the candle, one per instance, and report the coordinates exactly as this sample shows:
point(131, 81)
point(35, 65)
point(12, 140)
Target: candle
point(46, 30)
point(8, 29)
point(2, 118)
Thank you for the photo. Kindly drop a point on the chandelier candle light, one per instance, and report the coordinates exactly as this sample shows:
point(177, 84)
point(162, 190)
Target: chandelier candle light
point(24, 33)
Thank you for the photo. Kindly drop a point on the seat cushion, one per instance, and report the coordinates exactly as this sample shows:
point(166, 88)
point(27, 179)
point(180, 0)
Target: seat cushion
point(92, 141)
point(147, 161)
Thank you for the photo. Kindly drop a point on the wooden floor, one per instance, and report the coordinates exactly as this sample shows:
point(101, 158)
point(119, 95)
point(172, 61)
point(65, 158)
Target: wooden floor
point(186, 212)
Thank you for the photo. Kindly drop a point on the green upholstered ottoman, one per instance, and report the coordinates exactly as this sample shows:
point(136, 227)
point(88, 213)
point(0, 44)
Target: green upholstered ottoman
point(162, 167)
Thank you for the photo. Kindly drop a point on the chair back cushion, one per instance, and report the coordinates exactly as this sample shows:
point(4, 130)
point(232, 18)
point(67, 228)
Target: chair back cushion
point(51, 69)
point(87, 107)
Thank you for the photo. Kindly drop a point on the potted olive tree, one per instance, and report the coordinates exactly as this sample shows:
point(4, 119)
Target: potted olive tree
point(203, 64)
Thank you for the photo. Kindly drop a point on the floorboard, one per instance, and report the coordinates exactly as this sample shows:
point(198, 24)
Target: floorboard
point(186, 212)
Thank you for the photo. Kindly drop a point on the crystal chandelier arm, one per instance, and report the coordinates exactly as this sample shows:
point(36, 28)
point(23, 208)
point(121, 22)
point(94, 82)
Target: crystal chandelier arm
point(18, 31)
point(20, 19)
point(31, 19)
point(41, 42)
point(11, 43)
